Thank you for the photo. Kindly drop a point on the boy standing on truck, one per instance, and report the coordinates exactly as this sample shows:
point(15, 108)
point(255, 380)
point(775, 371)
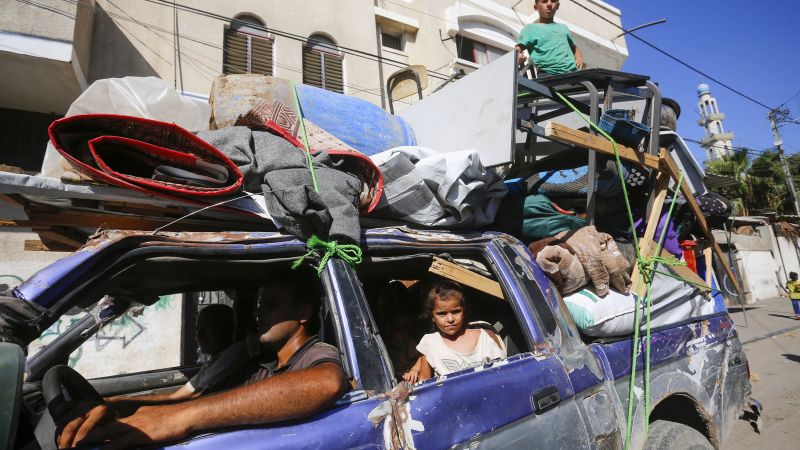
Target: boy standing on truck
point(550, 44)
point(794, 293)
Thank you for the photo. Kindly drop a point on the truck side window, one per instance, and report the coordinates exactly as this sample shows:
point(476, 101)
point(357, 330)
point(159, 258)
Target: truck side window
point(536, 292)
point(396, 288)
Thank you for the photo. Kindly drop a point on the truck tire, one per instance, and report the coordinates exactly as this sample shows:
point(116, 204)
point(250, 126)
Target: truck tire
point(665, 435)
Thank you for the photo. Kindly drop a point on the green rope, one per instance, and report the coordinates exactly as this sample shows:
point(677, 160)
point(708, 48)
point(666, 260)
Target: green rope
point(652, 264)
point(645, 269)
point(305, 137)
point(350, 253)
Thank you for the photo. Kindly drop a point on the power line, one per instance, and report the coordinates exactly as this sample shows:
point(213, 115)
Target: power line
point(676, 59)
point(286, 34)
point(790, 99)
point(746, 149)
point(210, 72)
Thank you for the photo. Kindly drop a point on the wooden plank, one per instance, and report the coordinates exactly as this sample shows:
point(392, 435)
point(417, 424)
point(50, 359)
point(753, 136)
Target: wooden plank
point(12, 199)
point(32, 245)
point(466, 277)
point(81, 219)
point(562, 133)
point(60, 236)
point(674, 172)
point(646, 244)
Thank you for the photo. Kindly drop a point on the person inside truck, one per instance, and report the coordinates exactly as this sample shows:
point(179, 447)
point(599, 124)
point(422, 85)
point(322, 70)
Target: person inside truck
point(294, 376)
point(453, 346)
point(222, 370)
point(397, 318)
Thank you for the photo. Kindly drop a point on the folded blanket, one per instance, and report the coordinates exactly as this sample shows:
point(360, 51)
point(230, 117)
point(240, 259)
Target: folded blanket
point(284, 120)
point(133, 152)
point(278, 167)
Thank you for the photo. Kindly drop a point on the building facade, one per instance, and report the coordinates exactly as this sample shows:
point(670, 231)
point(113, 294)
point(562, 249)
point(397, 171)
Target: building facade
point(51, 50)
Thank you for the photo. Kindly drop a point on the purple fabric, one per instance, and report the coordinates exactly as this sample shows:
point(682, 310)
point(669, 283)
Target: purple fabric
point(670, 240)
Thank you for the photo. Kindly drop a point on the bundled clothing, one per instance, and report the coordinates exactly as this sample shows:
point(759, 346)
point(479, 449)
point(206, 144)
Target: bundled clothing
point(438, 189)
point(273, 164)
point(605, 266)
point(558, 260)
point(535, 217)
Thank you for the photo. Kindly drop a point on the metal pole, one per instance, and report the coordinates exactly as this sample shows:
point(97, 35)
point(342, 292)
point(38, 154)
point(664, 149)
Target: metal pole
point(776, 138)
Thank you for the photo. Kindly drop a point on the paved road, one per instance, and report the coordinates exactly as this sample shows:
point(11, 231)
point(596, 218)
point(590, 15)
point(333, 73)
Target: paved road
point(775, 373)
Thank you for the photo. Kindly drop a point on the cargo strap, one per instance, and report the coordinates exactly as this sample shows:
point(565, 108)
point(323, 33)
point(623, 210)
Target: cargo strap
point(647, 269)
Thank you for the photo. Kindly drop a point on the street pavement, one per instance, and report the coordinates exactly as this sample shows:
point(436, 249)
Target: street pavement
point(771, 339)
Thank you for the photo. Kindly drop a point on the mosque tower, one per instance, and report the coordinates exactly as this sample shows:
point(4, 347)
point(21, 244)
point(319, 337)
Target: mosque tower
point(716, 142)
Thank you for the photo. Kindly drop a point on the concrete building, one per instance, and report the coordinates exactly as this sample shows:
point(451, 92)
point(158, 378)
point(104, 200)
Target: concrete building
point(717, 143)
point(50, 50)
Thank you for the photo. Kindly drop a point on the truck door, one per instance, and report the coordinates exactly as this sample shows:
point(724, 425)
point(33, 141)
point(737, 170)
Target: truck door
point(525, 401)
point(593, 396)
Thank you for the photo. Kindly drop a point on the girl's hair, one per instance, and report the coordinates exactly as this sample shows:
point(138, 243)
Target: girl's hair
point(792, 275)
point(438, 289)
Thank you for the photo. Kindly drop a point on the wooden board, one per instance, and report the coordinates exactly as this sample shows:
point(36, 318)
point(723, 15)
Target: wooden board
point(562, 133)
point(673, 170)
point(646, 242)
point(466, 277)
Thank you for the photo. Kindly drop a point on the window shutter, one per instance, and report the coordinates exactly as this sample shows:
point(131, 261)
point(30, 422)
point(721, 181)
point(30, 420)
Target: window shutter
point(244, 53)
point(312, 67)
point(333, 73)
point(234, 59)
point(261, 55)
point(322, 69)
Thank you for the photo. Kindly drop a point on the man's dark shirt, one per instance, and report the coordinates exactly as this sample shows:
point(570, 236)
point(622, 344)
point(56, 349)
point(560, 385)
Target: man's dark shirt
point(310, 354)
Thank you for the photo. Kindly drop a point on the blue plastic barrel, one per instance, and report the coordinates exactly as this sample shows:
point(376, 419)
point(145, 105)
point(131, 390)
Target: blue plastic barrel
point(358, 123)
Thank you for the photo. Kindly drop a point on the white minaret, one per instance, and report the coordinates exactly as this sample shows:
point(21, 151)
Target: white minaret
point(716, 142)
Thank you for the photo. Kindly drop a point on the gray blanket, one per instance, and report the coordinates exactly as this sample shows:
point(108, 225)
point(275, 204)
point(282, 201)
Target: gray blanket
point(280, 169)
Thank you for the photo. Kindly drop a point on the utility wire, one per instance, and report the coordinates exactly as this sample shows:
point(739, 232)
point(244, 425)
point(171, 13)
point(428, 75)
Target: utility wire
point(676, 59)
point(207, 71)
point(286, 34)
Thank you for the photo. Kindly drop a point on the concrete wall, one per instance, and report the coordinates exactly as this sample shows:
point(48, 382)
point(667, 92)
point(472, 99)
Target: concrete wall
point(789, 257)
point(762, 259)
point(18, 264)
point(760, 272)
point(144, 44)
point(135, 38)
point(142, 339)
point(51, 19)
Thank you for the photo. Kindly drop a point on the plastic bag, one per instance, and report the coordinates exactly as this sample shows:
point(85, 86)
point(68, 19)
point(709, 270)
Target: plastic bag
point(147, 97)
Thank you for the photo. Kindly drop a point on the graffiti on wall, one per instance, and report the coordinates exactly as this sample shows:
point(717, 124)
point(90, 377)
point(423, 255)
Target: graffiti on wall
point(119, 334)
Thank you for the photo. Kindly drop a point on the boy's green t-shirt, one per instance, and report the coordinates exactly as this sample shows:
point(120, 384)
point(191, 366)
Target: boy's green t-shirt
point(550, 46)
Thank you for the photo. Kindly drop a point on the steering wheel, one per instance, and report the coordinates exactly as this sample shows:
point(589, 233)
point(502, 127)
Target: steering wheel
point(60, 385)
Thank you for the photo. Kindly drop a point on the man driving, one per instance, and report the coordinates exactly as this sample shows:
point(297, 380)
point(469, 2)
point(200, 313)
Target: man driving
point(294, 376)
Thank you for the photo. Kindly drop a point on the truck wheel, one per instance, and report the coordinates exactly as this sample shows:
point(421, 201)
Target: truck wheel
point(665, 435)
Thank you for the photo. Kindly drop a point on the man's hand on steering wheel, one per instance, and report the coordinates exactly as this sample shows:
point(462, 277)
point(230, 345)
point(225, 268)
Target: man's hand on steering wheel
point(77, 419)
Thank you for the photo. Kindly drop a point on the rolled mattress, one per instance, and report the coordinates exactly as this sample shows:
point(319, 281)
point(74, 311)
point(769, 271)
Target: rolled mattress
point(673, 301)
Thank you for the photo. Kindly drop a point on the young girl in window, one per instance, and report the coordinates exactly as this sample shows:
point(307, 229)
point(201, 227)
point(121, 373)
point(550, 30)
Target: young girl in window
point(453, 346)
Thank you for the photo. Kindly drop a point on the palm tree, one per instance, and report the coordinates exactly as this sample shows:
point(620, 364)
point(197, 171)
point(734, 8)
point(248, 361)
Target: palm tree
point(734, 166)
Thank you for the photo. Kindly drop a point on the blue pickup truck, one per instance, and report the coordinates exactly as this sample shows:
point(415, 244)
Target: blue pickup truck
point(555, 389)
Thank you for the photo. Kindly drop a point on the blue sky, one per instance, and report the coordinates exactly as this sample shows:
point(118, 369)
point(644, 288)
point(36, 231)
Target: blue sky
point(751, 46)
